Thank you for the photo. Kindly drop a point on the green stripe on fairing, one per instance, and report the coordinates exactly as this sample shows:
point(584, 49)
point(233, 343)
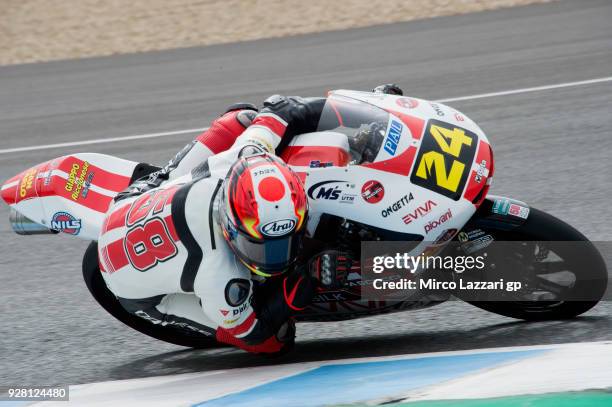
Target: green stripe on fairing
point(571, 399)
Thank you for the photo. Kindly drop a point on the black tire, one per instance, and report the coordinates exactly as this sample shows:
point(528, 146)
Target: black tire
point(590, 283)
point(98, 289)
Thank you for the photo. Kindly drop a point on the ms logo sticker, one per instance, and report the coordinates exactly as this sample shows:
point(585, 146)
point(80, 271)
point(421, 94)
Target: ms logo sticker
point(445, 159)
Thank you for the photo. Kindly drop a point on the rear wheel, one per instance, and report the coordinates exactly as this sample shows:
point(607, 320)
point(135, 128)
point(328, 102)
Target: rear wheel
point(98, 289)
point(562, 272)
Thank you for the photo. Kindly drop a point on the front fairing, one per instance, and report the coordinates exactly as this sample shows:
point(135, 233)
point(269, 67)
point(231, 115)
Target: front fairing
point(433, 164)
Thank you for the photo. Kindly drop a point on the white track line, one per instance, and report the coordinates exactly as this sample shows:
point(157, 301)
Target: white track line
point(101, 140)
point(527, 90)
point(172, 133)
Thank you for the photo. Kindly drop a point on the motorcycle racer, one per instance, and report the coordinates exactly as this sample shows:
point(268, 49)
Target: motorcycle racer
point(209, 241)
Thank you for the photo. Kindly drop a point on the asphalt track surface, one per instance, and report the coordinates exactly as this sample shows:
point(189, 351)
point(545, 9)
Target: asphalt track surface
point(552, 150)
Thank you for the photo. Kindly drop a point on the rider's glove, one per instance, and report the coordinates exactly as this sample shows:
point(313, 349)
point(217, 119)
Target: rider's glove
point(330, 269)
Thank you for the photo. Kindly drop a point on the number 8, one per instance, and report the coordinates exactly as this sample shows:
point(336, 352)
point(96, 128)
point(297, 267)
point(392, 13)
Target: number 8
point(149, 244)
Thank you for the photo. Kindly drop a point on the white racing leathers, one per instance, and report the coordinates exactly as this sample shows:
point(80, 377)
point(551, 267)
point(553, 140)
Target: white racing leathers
point(162, 252)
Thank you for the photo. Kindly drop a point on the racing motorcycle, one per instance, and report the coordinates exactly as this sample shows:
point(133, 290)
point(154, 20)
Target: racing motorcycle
point(379, 168)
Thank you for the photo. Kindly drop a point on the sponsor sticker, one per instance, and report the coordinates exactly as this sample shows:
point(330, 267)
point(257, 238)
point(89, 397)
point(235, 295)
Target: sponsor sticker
point(393, 137)
point(506, 207)
point(65, 222)
point(407, 103)
point(77, 180)
point(466, 236)
point(50, 169)
point(419, 212)
point(230, 321)
point(397, 205)
point(27, 183)
point(474, 240)
point(518, 211)
point(437, 109)
point(372, 191)
point(437, 222)
point(87, 184)
point(333, 190)
point(319, 164)
point(477, 244)
point(241, 309)
point(278, 227)
point(444, 159)
point(470, 235)
point(481, 171)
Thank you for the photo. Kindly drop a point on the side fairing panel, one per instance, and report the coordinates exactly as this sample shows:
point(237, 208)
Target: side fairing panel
point(384, 200)
point(71, 193)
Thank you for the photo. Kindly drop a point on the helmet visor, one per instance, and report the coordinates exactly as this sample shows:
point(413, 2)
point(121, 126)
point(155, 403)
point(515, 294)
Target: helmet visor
point(272, 256)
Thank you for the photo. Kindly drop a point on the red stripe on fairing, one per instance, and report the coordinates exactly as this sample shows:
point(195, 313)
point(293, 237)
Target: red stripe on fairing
point(13, 195)
point(415, 124)
point(272, 123)
point(243, 327)
point(473, 188)
point(9, 195)
point(304, 155)
point(398, 165)
point(94, 200)
point(102, 178)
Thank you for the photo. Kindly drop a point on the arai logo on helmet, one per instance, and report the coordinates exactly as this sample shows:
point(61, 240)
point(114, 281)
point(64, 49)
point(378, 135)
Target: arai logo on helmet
point(278, 227)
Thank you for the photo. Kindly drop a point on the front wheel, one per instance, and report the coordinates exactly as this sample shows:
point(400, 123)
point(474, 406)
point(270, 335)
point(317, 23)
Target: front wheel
point(563, 273)
point(98, 289)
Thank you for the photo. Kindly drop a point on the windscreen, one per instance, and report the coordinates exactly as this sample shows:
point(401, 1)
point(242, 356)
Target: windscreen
point(364, 124)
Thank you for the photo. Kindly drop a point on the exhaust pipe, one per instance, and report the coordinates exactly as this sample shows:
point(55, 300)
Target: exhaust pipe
point(26, 226)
